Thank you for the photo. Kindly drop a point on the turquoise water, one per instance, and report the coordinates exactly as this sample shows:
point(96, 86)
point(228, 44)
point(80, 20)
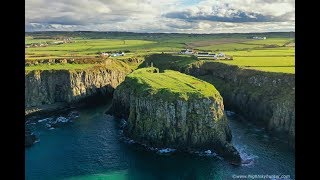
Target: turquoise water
point(90, 148)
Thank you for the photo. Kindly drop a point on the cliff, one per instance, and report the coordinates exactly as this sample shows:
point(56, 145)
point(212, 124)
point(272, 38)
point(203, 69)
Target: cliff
point(43, 87)
point(174, 110)
point(264, 98)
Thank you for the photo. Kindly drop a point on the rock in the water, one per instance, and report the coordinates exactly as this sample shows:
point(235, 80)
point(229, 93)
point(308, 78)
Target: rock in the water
point(174, 110)
point(29, 139)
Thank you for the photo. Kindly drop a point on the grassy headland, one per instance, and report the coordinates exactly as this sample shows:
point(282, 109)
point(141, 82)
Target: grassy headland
point(168, 84)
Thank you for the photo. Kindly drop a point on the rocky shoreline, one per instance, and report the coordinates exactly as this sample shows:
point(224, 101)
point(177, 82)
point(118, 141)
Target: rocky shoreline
point(49, 121)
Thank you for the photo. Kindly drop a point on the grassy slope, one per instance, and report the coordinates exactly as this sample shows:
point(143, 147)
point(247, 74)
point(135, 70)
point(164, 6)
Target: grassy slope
point(169, 83)
point(112, 64)
point(58, 67)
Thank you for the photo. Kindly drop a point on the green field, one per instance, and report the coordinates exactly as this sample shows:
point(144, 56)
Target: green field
point(30, 40)
point(59, 67)
point(273, 59)
point(266, 55)
point(85, 48)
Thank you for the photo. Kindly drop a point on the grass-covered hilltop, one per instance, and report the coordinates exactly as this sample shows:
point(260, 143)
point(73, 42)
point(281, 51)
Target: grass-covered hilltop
point(175, 110)
point(169, 84)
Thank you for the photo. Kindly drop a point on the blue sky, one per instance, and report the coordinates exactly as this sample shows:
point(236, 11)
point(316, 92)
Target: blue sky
point(181, 16)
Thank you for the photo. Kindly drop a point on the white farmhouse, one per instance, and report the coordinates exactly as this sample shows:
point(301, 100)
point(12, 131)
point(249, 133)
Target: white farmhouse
point(117, 54)
point(206, 55)
point(258, 37)
point(104, 54)
point(221, 54)
point(186, 51)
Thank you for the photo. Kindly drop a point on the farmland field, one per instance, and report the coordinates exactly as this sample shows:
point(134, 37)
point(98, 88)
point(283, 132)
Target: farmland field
point(270, 54)
point(271, 59)
point(59, 67)
point(81, 48)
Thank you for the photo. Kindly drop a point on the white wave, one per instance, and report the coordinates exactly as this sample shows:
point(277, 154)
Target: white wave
point(45, 119)
point(153, 149)
point(62, 119)
point(209, 153)
point(51, 128)
point(166, 150)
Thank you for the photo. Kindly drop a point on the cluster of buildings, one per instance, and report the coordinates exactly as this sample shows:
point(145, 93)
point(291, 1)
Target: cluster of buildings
point(105, 54)
point(44, 44)
point(258, 37)
point(186, 51)
point(205, 54)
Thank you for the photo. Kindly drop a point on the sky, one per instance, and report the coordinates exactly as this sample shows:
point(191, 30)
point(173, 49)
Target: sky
point(161, 16)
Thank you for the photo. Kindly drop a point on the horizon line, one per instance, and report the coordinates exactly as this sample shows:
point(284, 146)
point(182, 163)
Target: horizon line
point(165, 32)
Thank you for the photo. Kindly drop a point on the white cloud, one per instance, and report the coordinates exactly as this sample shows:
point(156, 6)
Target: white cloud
point(204, 26)
point(152, 15)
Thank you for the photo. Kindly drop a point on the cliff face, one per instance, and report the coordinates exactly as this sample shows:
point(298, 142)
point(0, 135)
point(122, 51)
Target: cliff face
point(165, 123)
point(267, 99)
point(192, 123)
point(51, 86)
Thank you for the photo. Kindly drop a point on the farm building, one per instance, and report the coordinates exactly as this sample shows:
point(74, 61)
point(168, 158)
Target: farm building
point(58, 42)
point(206, 55)
point(186, 51)
point(257, 37)
point(117, 54)
point(220, 55)
point(104, 54)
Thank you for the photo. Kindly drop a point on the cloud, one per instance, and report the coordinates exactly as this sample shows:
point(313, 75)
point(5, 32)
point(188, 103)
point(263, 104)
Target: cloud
point(201, 16)
point(232, 17)
point(237, 11)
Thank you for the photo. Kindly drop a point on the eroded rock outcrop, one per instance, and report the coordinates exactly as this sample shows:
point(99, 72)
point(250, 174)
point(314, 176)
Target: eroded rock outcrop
point(51, 86)
point(265, 98)
point(174, 110)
